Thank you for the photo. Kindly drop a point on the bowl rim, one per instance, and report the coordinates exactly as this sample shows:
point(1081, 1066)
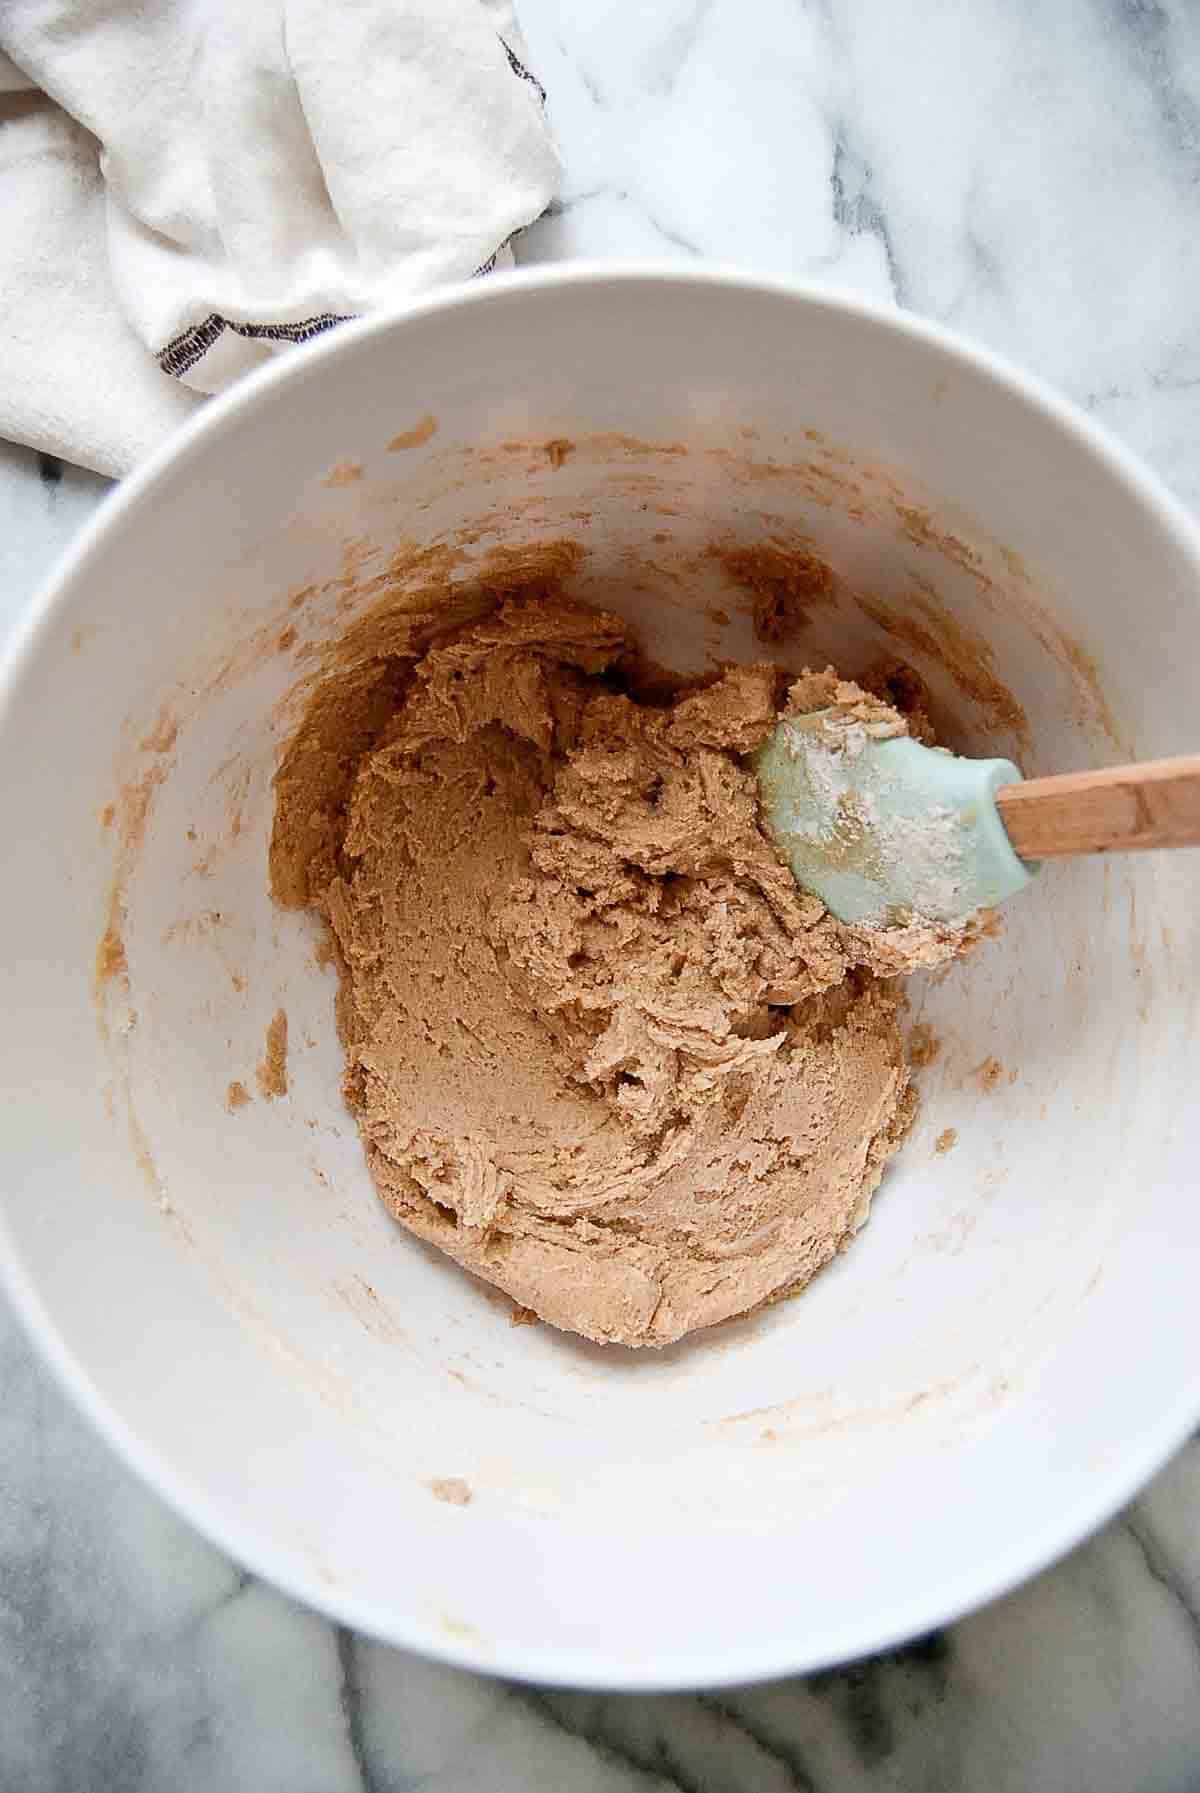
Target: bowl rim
point(713, 1662)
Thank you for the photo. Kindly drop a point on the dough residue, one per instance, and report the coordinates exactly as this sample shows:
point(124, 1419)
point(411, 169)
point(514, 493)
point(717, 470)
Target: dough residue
point(988, 1074)
point(452, 1489)
point(784, 584)
point(600, 1046)
point(271, 1072)
point(421, 432)
point(110, 954)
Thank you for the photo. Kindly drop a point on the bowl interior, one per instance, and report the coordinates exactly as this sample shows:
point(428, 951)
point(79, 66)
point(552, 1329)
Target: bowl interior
point(1002, 1355)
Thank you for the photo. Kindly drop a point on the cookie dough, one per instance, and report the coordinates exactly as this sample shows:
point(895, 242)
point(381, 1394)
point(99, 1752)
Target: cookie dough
point(600, 1047)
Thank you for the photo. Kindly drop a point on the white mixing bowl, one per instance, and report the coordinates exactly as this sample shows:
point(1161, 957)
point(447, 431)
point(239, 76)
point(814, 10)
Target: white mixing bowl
point(1010, 1348)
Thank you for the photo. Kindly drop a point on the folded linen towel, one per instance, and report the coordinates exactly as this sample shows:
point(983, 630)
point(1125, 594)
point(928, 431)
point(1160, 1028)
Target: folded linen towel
point(191, 186)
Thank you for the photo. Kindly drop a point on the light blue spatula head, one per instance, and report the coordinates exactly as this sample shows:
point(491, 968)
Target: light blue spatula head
point(885, 832)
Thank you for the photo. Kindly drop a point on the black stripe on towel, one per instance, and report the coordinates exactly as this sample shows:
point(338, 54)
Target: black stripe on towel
point(184, 350)
point(192, 344)
point(522, 73)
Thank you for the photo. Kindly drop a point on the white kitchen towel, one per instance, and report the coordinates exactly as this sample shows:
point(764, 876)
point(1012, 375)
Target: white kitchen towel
point(190, 186)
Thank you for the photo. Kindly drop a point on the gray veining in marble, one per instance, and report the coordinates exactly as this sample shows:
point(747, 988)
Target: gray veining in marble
point(1031, 174)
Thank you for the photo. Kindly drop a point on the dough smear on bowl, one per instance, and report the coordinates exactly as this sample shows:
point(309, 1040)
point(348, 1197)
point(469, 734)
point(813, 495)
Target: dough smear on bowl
point(600, 1047)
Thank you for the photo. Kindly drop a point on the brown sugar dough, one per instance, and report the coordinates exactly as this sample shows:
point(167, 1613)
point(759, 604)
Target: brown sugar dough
point(601, 1048)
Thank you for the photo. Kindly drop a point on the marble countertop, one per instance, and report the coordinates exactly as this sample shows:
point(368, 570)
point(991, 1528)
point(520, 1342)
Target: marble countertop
point(1032, 175)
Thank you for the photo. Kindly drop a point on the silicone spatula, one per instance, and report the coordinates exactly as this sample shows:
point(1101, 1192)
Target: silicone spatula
point(885, 831)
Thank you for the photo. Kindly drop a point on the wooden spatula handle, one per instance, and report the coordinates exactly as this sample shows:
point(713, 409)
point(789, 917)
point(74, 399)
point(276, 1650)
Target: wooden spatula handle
point(1119, 810)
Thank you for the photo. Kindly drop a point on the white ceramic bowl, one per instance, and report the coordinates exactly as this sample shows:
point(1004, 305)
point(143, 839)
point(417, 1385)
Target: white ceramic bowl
point(1011, 1347)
